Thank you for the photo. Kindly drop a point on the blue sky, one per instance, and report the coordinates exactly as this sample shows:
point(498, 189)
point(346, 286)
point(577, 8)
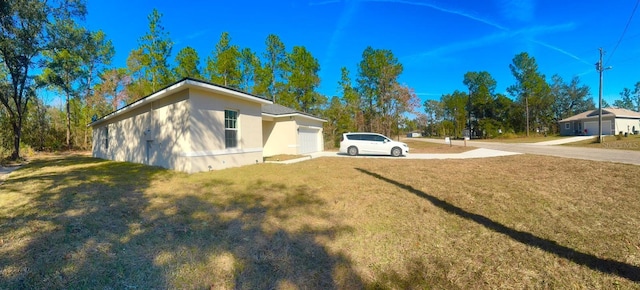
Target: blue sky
point(436, 41)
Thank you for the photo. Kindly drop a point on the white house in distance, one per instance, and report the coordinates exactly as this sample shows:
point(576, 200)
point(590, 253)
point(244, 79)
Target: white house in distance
point(195, 126)
point(614, 121)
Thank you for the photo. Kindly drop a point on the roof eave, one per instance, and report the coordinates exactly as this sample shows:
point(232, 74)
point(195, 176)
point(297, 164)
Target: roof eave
point(294, 115)
point(184, 84)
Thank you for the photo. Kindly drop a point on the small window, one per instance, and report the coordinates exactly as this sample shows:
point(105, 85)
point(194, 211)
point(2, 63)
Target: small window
point(230, 129)
point(567, 126)
point(106, 137)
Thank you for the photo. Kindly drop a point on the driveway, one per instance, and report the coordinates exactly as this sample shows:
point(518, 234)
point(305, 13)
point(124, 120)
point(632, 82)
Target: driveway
point(548, 148)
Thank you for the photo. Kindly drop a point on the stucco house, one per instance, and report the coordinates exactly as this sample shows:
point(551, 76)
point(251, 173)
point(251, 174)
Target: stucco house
point(614, 121)
point(195, 126)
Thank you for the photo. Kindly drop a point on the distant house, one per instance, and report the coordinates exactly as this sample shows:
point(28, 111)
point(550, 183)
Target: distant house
point(614, 121)
point(414, 134)
point(195, 126)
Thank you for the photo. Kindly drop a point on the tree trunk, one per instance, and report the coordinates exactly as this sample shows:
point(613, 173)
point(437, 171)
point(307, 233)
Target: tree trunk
point(68, 123)
point(526, 102)
point(15, 155)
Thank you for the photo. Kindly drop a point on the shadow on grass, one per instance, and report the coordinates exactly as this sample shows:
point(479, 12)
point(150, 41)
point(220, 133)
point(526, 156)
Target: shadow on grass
point(606, 266)
point(106, 225)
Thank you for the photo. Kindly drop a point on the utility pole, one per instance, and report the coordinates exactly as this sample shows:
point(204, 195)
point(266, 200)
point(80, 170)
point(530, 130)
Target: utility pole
point(469, 113)
point(600, 68)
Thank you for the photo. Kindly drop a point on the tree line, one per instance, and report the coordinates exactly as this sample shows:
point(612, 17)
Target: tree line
point(44, 48)
point(533, 104)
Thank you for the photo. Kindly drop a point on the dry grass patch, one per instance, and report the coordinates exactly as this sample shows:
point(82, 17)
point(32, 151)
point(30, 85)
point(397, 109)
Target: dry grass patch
point(417, 146)
point(632, 142)
point(284, 157)
point(511, 222)
point(524, 139)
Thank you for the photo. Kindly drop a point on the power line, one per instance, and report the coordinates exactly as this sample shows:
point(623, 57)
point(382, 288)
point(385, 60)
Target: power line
point(624, 31)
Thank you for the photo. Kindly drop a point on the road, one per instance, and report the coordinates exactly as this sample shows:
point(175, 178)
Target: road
point(597, 154)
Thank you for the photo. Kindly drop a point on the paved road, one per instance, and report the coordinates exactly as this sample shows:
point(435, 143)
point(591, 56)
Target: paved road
point(597, 154)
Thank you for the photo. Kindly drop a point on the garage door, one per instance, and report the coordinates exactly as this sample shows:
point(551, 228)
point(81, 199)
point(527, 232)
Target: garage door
point(592, 127)
point(308, 140)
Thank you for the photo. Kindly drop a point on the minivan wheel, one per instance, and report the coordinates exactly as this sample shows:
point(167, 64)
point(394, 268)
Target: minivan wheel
point(396, 152)
point(353, 151)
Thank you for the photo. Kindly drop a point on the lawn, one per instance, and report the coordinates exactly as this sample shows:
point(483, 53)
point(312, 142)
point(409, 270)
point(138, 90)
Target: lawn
point(417, 146)
point(534, 138)
point(511, 222)
point(632, 142)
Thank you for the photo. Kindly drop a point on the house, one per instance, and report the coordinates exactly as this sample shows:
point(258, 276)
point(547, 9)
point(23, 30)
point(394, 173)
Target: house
point(614, 121)
point(278, 123)
point(195, 126)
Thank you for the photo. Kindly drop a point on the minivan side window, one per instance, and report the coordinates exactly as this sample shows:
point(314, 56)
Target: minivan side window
point(378, 138)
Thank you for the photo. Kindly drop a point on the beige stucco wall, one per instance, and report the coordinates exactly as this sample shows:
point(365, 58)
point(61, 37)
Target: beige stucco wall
point(153, 134)
point(207, 150)
point(280, 136)
point(626, 125)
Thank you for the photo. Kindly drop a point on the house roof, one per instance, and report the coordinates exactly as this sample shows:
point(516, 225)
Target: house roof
point(275, 110)
point(616, 112)
point(178, 86)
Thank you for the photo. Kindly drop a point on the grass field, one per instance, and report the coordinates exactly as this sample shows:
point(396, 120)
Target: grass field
point(534, 138)
point(632, 142)
point(510, 222)
point(416, 146)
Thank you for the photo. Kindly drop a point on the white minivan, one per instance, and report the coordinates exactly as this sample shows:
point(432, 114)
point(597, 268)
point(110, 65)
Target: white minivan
point(371, 144)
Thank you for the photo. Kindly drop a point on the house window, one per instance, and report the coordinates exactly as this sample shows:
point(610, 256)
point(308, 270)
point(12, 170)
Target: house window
point(230, 129)
point(106, 137)
point(567, 126)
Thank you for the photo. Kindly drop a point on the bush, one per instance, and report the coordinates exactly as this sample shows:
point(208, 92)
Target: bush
point(508, 135)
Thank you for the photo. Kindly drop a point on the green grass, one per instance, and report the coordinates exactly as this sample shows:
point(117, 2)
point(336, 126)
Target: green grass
point(632, 142)
point(510, 222)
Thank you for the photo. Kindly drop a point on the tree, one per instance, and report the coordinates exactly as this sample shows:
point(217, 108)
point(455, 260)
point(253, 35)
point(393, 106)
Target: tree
point(569, 99)
point(97, 52)
point(300, 90)
point(63, 67)
point(455, 105)
point(187, 64)
point(155, 49)
point(112, 88)
point(434, 111)
point(625, 101)
point(223, 67)
point(377, 73)
point(531, 90)
point(28, 28)
point(138, 86)
point(636, 93)
point(249, 67)
point(481, 101)
point(271, 75)
point(338, 120)
point(351, 100)
point(402, 99)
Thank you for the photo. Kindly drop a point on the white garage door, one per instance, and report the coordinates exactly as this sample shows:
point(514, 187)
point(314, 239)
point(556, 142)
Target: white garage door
point(308, 140)
point(592, 127)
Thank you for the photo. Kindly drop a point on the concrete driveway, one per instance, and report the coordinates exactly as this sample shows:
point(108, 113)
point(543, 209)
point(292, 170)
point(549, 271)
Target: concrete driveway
point(549, 148)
